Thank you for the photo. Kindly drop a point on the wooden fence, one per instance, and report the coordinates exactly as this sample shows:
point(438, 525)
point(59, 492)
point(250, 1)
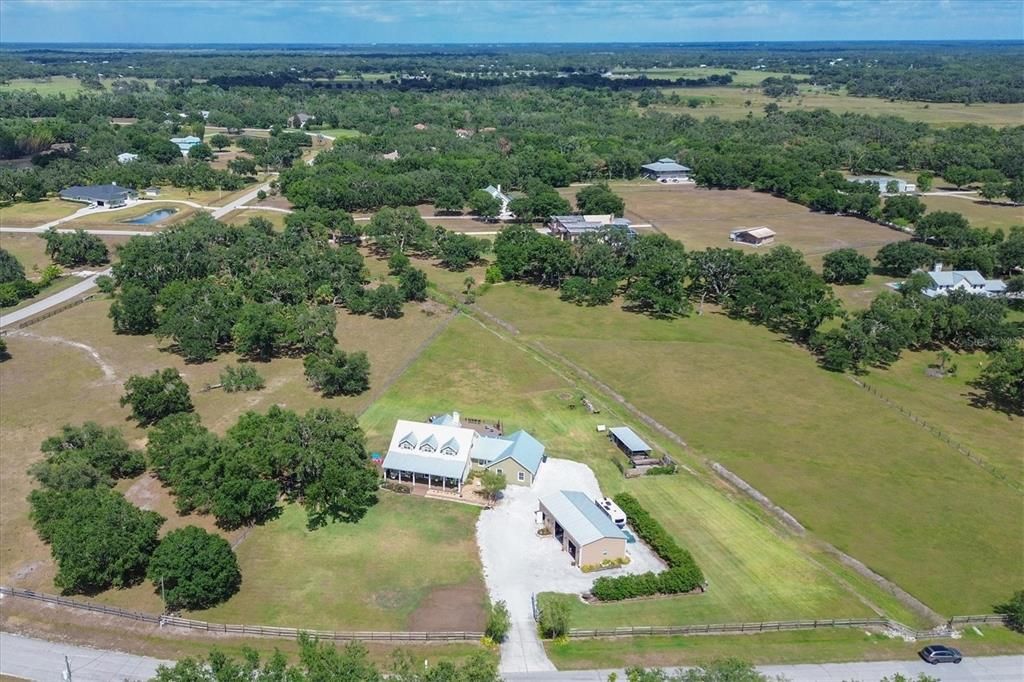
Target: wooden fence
point(39, 317)
point(241, 630)
point(980, 461)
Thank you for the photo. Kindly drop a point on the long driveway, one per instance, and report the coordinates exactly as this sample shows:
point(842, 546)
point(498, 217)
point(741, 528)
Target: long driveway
point(36, 659)
point(51, 301)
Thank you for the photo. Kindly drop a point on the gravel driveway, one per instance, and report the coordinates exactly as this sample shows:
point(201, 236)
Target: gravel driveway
point(518, 564)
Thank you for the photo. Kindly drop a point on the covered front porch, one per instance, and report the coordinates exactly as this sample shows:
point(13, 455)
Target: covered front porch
point(427, 481)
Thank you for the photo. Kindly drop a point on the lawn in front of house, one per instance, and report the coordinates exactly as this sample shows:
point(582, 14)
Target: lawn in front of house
point(990, 216)
point(117, 219)
point(377, 574)
point(809, 646)
point(36, 213)
point(854, 471)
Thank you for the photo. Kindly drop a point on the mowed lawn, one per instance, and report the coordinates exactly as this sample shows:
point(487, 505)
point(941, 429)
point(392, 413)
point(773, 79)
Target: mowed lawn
point(50, 381)
point(855, 472)
point(980, 214)
point(702, 218)
point(117, 219)
point(35, 213)
point(813, 646)
point(370, 575)
point(242, 216)
point(754, 572)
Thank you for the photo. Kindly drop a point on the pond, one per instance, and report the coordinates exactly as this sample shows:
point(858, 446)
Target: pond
point(152, 217)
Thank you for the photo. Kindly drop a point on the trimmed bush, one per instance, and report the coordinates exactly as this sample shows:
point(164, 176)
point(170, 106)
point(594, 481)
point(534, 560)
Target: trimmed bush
point(682, 576)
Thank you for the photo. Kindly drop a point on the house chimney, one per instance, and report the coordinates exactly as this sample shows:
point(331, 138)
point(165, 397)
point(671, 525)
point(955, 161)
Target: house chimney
point(499, 187)
point(455, 419)
point(114, 183)
point(937, 267)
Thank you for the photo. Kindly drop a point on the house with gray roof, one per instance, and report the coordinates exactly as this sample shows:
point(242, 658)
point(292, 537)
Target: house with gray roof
point(503, 199)
point(667, 171)
point(582, 529)
point(971, 281)
point(517, 456)
point(886, 184)
point(110, 196)
point(570, 227)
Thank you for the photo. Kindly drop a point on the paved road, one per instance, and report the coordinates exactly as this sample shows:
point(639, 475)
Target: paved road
point(988, 669)
point(51, 301)
point(109, 233)
point(35, 659)
point(240, 201)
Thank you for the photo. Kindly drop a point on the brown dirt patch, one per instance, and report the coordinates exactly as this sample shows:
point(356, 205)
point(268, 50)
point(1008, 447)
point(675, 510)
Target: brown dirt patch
point(452, 608)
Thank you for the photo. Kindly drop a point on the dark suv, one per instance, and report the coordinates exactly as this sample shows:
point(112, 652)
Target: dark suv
point(937, 653)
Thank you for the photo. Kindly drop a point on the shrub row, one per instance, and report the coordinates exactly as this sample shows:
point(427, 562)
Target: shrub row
point(396, 487)
point(605, 564)
point(656, 537)
point(672, 581)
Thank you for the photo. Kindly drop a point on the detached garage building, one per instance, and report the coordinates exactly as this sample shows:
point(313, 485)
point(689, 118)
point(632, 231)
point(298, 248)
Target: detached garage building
point(581, 528)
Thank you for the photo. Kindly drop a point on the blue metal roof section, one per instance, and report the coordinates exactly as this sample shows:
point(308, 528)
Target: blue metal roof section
point(580, 517)
point(628, 437)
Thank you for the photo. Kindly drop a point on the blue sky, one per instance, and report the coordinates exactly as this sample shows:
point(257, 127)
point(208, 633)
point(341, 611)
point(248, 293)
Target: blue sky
point(468, 21)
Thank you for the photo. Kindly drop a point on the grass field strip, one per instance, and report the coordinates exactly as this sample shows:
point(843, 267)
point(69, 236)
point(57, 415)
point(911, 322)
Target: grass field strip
point(972, 456)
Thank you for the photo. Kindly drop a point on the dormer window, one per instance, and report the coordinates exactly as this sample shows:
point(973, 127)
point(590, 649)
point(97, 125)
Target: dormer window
point(408, 443)
point(429, 444)
point(451, 448)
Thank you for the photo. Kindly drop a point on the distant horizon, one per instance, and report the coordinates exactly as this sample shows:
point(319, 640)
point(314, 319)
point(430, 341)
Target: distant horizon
point(681, 43)
point(491, 22)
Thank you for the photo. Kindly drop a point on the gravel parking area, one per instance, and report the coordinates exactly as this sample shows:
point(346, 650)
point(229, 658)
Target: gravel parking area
point(518, 564)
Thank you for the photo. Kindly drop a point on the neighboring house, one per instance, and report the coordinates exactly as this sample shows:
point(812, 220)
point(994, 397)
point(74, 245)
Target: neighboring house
point(504, 199)
point(204, 113)
point(391, 156)
point(152, 191)
point(582, 528)
point(667, 171)
point(127, 157)
point(570, 227)
point(464, 133)
point(755, 236)
point(970, 281)
point(441, 452)
point(99, 195)
point(902, 186)
point(301, 118)
point(420, 126)
point(186, 143)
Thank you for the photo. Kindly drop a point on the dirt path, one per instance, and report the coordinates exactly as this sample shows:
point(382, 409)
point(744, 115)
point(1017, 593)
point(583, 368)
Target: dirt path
point(108, 372)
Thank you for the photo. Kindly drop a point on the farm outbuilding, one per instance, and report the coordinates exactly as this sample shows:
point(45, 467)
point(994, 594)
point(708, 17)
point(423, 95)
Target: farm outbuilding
point(630, 443)
point(581, 528)
point(667, 171)
point(755, 236)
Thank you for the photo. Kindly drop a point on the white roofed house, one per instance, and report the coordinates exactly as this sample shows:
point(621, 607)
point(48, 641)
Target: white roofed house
point(440, 453)
point(971, 281)
point(667, 171)
point(434, 454)
point(503, 199)
point(127, 157)
point(886, 184)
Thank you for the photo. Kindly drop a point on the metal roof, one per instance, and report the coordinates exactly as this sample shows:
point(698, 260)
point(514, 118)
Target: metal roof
point(953, 277)
point(580, 517)
point(628, 438)
point(489, 449)
point(666, 166)
point(403, 460)
point(96, 192)
point(526, 450)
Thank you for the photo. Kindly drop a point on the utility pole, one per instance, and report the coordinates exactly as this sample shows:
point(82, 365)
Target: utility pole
point(163, 594)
